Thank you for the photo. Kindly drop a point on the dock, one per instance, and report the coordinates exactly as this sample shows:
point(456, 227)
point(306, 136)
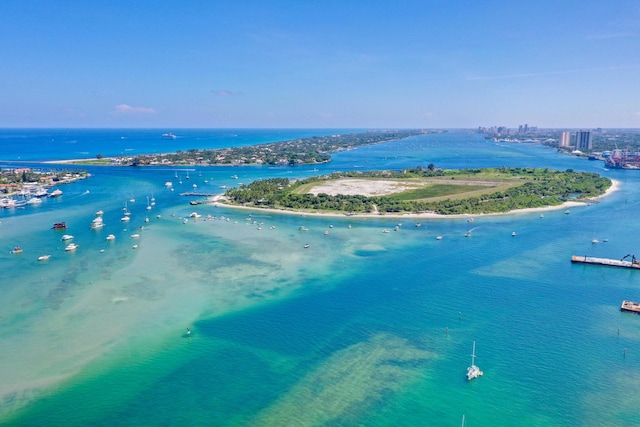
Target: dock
point(198, 194)
point(605, 261)
point(630, 306)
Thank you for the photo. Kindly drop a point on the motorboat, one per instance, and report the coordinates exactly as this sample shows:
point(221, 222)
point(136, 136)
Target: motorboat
point(44, 257)
point(17, 250)
point(66, 237)
point(111, 237)
point(97, 223)
point(71, 247)
point(34, 201)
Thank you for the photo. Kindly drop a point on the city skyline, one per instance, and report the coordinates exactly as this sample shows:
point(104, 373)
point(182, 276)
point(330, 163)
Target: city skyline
point(569, 65)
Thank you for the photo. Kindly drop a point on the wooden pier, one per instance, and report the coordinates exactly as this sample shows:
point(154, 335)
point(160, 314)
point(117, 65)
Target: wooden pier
point(605, 261)
point(630, 306)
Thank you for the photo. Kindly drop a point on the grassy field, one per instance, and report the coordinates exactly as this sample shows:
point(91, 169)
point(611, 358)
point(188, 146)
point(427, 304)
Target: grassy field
point(430, 189)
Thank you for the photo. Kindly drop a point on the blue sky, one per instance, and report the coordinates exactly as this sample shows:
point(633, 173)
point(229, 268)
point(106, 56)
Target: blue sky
point(320, 64)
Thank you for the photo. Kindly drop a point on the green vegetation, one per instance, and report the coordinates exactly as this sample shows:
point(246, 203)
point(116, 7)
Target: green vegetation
point(296, 152)
point(468, 191)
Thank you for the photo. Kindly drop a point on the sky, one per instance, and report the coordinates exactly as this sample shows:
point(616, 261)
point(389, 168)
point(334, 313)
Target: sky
point(320, 64)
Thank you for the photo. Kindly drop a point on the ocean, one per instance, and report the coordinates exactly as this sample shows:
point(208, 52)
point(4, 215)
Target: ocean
point(363, 328)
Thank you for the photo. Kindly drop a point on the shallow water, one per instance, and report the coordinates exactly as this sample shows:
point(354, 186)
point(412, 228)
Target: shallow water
point(361, 328)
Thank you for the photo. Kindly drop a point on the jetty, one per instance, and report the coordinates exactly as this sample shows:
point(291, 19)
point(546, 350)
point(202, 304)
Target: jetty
point(630, 306)
point(635, 264)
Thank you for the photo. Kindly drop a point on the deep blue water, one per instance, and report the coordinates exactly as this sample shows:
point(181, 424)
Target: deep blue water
point(362, 328)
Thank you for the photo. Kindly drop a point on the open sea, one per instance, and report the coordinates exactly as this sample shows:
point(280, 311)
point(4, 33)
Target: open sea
point(363, 328)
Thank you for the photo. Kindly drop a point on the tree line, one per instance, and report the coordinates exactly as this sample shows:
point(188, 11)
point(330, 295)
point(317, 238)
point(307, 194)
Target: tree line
point(539, 188)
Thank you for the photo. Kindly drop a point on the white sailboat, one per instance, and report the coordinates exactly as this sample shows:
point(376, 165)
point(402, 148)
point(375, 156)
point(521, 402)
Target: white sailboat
point(473, 371)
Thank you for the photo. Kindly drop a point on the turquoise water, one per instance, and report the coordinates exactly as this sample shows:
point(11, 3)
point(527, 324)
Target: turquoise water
point(362, 328)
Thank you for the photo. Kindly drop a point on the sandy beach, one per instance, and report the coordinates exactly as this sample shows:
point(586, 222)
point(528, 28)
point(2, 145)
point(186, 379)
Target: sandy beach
point(379, 188)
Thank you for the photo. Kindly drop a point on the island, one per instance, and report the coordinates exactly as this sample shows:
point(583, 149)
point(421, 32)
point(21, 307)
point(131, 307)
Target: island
point(313, 150)
point(421, 190)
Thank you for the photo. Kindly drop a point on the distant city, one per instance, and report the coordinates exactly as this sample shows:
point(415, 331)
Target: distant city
point(586, 141)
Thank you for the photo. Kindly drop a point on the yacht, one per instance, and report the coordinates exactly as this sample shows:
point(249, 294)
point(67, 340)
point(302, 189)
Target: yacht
point(97, 223)
point(34, 201)
point(55, 193)
point(473, 371)
point(168, 135)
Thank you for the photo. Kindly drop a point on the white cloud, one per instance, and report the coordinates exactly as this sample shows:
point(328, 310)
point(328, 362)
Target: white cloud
point(128, 109)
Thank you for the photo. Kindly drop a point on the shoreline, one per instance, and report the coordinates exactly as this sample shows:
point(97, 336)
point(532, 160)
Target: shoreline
point(215, 201)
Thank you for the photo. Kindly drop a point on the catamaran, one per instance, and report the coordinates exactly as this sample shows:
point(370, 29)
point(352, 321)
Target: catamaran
point(473, 371)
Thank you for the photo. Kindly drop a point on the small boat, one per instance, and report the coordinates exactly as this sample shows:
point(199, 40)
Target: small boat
point(303, 228)
point(326, 233)
point(66, 237)
point(71, 247)
point(34, 201)
point(17, 250)
point(125, 218)
point(44, 257)
point(439, 238)
point(467, 234)
point(306, 246)
point(567, 212)
point(59, 225)
point(473, 371)
point(594, 241)
point(513, 233)
point(135, 236)
point(234, 176)
point(168, 135)
point(385, 230)
point(134, 247)
point(111, 237)
point(97, 223)
point(168, 184)
point(100, 213)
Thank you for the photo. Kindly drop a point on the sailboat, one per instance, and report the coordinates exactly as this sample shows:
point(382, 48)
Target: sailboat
point(473, 371)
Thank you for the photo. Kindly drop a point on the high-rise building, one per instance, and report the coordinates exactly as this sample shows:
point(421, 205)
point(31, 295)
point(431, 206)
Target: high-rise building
point(565, 139)
point(583, 140)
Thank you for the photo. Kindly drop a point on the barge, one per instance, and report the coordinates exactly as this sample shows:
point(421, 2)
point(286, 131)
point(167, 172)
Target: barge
point(630, 306)
point(634, 264)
